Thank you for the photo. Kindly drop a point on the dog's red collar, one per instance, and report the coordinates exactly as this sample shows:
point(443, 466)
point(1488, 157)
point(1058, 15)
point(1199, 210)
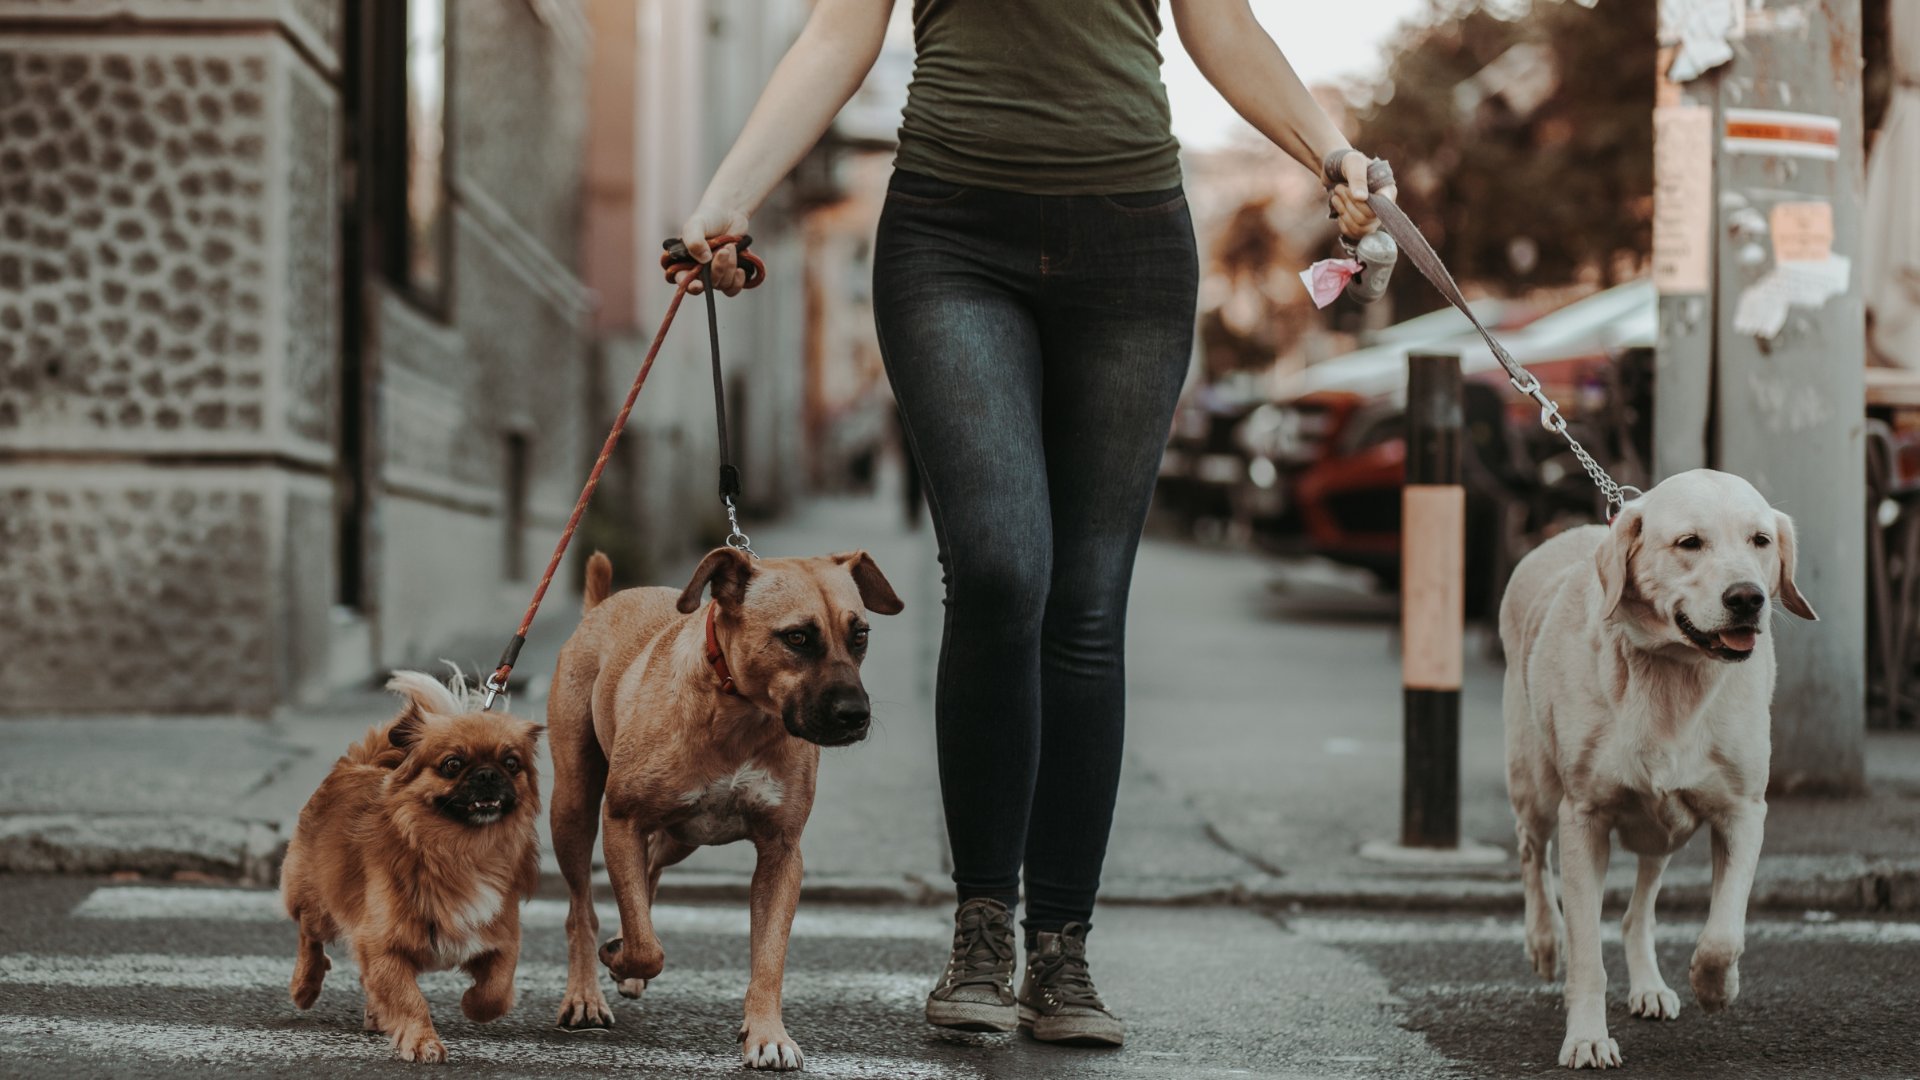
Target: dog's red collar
point(716, 659)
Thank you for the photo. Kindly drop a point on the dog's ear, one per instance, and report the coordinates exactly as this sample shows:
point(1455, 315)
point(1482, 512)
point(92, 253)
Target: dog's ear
point(406, 730)
point(421, 696)
point(1614, 559)
point(1788, 548)
point(727, 570)
point(875, 591)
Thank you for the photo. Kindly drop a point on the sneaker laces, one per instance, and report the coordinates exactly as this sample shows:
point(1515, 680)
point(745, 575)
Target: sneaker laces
point(982, 947)
point(1063, 975)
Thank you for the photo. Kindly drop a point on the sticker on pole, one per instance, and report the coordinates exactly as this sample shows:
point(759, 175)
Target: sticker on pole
point(1783, 134)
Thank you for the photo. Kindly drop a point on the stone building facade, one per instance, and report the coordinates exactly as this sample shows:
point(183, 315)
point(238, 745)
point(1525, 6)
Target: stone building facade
point(294, 355)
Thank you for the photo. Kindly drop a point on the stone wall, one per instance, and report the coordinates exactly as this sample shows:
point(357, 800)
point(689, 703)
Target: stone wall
point(170, 354)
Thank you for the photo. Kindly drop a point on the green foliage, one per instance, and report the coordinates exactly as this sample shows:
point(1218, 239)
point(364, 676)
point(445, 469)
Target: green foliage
point(1574, 175)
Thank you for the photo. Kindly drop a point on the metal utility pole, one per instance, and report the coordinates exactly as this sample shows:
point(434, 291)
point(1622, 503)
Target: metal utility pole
point(1758, 163)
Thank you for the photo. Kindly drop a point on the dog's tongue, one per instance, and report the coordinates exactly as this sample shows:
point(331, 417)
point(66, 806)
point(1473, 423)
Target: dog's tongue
point(1738, 638)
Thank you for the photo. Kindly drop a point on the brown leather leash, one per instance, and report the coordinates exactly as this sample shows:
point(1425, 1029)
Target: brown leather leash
point(674, 261)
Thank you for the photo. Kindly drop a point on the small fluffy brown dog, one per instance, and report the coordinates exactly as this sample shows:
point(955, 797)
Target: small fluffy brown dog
point(418, 848)
point(702, 724)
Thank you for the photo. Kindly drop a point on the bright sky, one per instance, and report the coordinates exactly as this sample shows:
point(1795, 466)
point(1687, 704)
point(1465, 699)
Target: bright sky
point(1327, 41)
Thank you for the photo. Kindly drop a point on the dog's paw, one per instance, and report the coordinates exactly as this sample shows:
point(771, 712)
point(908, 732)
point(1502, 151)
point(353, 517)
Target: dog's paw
point(585, 1011)
point(305, 993)
point(484, 1006)
point(307, 979)
point(766, 1046)
point(1589, 1052)
point(1654, 1003)
point(368, 1021)
point(631, 988)
point(1715, 975)
point(1543, 953)
point(639, 961)
point(419, 1043)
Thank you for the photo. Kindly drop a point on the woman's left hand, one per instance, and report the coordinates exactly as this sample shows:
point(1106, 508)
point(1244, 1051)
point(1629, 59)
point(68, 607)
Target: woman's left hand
point(1349, 200)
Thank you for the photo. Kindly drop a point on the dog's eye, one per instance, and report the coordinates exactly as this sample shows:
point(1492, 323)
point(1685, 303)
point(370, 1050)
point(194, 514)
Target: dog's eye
point(1689, 543)
point(451, 767)
point(1761, 539)
point(511, 764)
point(795, 638)
point(860, 638)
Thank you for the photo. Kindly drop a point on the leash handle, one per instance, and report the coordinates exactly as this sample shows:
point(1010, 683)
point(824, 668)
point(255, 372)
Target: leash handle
point(676, 259)
point(1377, 252)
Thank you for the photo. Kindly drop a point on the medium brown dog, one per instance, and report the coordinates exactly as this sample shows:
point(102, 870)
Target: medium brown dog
point(702, 729)
point(418, 847)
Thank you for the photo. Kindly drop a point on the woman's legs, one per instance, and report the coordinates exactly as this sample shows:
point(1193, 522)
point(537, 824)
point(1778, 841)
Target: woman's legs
point(963, 354)
point(1117, 335)
point(1036, 347)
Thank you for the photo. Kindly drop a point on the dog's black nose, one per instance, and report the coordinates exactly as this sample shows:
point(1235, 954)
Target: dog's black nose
point(851, 716)
point(848, 710)
point(485, 774)
point(1744, 599)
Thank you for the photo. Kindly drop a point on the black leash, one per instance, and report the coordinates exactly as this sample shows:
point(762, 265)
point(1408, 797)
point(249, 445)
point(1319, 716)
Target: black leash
point(678, 256)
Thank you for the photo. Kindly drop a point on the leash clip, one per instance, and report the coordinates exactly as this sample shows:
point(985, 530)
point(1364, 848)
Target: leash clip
point(496, 685)
point(736, 539)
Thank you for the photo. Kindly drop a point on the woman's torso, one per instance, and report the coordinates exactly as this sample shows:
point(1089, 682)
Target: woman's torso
point(1051, 97)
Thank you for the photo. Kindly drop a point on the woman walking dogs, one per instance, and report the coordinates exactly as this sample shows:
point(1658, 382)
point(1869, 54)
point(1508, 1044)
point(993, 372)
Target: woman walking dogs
point(1034, 286)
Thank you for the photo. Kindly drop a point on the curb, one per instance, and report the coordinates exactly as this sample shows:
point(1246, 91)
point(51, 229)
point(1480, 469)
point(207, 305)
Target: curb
point(233, 849)
point(249, 852)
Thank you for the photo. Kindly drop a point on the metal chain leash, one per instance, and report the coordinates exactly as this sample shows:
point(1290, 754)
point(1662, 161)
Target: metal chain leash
point(1407, 235)
point(736, 539)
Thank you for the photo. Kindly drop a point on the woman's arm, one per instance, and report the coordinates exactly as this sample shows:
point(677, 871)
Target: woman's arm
point(1236, 55)
point(818, 75)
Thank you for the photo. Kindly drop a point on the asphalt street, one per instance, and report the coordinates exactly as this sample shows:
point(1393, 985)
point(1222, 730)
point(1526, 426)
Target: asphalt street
point(103, 978)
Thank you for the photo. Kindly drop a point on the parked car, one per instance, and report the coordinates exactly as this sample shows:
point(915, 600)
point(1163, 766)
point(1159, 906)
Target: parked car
point(1226, 467)
point(1337, 442)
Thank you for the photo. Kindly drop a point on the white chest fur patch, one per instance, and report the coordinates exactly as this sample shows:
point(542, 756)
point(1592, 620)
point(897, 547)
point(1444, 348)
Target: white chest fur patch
point(719, 812)
point(459, 941)
point(748, 785)
point(479, 911)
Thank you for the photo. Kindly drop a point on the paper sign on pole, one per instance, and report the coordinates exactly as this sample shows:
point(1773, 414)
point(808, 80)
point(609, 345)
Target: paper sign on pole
point(1802, 231)
point(1682, 198)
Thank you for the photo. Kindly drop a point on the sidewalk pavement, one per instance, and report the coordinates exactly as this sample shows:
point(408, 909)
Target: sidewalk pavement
point(1263, 751)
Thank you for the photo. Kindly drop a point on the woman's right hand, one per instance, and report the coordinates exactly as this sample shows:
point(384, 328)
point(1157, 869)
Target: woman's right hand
point(709, 221)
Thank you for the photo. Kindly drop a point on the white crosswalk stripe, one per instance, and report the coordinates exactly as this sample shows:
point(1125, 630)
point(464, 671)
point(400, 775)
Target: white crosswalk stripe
point(686, 991)
point(160, 971)
point(1334, 930)
point(253, 905)
point(199, 1043)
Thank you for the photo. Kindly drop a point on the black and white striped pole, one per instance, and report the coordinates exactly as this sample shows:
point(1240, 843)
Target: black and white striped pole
point(1433, 519)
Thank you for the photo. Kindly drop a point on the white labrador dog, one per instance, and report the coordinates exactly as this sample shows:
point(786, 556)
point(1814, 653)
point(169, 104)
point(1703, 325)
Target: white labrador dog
point(1639, 681)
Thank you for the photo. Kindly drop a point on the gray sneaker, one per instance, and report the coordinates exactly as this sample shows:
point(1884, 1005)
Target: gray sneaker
point(976, 993)
point(1058, 1003)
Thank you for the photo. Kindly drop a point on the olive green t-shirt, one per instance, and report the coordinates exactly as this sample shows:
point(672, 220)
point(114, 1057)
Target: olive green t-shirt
point(1050, 97)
